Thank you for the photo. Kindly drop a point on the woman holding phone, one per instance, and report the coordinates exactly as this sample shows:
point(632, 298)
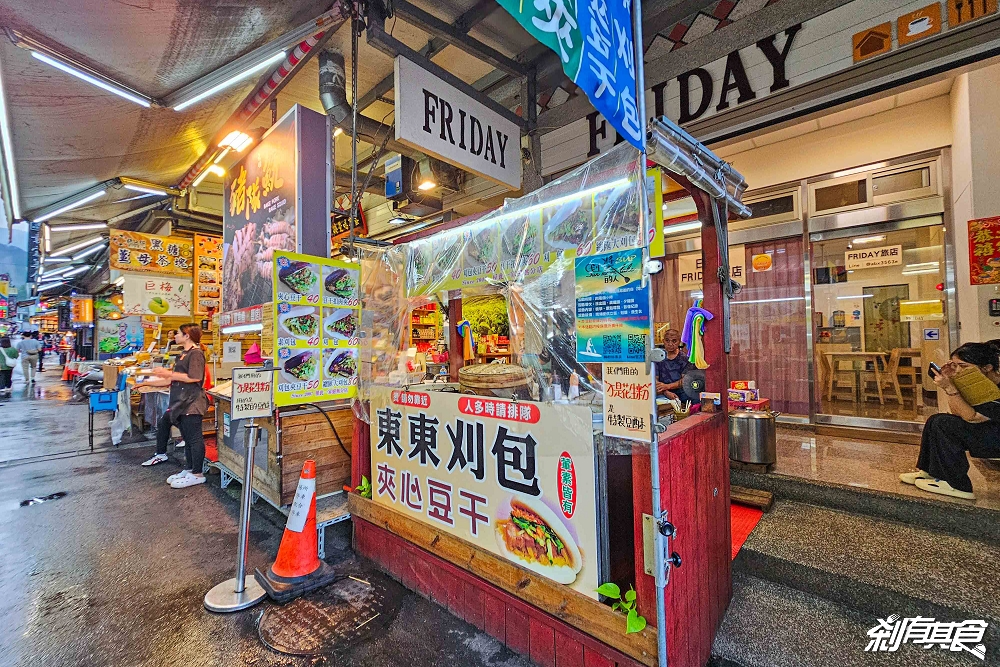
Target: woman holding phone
point(943, 466)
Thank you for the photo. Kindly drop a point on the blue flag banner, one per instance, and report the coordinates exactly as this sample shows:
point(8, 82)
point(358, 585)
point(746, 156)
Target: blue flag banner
point(594, 41)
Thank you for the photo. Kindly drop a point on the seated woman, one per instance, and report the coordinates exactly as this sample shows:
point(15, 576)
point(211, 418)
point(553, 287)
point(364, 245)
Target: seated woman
point(943, 466)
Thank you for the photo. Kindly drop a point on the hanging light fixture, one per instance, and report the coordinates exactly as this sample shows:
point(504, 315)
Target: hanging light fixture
point(427, 181)
point(78, 228)
point(77, 246)
point(236, 140)
point(80, 200)
point(94, 79)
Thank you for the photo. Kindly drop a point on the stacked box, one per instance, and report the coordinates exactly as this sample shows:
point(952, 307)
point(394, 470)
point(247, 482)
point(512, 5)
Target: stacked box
point(744, 395)
point(743, 384)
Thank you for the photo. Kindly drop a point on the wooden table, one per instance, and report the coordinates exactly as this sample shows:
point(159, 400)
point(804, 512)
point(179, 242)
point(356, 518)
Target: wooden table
point(834, 358)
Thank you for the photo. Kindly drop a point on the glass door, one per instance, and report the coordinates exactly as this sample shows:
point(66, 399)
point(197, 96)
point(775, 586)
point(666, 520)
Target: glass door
point(879, 318)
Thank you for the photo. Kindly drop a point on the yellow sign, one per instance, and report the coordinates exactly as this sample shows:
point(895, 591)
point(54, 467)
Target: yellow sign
point(919, 24)
point(915, 311)
point(207, 274)
point(514, 478)
point(762, 262)
point(657, 246)
point(146, 253)
point(317, 316)
point(872, 42)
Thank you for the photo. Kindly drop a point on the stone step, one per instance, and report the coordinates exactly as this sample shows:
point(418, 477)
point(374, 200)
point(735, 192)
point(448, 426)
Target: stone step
point(874, 566)
point(957, 518)
point(770, 625)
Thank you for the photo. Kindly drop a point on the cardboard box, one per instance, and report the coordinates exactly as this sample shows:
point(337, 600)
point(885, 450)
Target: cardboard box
point(743, 384)
point(744, 395)
point(757, 406)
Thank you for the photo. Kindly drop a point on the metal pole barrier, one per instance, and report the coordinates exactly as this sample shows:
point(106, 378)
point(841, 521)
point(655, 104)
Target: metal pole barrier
point(664, 529)
point(241, 591)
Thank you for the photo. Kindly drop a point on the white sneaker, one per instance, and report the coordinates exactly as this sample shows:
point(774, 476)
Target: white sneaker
point(188, 480)
point(912, 477)
point(178, 475)
point(179, 445)
point(943, 488)
point(155, 459)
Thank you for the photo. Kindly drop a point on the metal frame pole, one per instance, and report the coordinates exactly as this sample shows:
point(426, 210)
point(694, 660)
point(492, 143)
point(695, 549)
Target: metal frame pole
point(241, 591)
point(660, 541)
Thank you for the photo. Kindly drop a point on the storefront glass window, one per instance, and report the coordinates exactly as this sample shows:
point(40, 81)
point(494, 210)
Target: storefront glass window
point(768, 325)
point(879, 319)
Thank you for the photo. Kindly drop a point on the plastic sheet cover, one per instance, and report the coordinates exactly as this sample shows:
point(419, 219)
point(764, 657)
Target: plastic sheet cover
point(525, 251)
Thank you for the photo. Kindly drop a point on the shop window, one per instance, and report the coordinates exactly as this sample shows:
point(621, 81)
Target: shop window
point(910, 182)
point(771, 208)
point(841, 196)
point(766, 208)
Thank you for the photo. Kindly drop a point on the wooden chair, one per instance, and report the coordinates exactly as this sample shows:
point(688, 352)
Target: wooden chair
point(888, 376)
point(840, 375)
point(912, 373)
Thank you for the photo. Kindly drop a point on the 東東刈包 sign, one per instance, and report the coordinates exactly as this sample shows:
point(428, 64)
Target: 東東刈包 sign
point(514, 478)
point(873, 258)
point(440, 120)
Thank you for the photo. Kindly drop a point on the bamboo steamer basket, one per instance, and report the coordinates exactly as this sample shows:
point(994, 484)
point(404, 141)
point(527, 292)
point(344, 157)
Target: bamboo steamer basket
point(497, 380)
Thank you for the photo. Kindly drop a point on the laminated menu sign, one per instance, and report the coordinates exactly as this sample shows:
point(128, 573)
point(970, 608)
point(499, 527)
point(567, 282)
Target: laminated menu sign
point(251, 393)
point(514, 478)
point(627, 400)
point(612, 308)
point(207, 274)
point(316, 317)
point(146, 253)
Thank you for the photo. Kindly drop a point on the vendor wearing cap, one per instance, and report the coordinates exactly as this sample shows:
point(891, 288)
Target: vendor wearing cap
point(670, 372)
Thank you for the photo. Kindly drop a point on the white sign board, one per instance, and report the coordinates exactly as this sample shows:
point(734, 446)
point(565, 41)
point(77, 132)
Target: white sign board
point(817, 48)
point(231, 350)
point(689, 268)
point(251, 393)
point(156, 295)
point(873, 258)
point(440, 120)
point(627, 400)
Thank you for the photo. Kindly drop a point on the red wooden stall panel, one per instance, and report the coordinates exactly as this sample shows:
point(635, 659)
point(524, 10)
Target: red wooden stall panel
point(694, 481)
point(524, 629)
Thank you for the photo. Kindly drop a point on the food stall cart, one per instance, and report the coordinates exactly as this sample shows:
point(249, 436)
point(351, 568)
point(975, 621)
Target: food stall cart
point(512, 507)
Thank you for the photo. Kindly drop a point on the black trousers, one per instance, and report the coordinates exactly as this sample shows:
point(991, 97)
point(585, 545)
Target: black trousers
point(5, 381)
point(194, 442)
point(946, 439)
point(41, 359)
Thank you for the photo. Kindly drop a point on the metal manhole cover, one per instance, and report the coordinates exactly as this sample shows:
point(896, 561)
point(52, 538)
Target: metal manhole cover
point(332, 619)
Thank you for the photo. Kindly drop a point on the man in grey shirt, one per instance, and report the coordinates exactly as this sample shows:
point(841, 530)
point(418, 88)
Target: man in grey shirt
point(29, 347)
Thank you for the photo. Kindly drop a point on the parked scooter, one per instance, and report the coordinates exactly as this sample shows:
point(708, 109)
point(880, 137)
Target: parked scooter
point(91, 378)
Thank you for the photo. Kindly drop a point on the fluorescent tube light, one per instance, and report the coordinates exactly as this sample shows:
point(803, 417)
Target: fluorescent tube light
point(922, 265)
point(94, 81)
point(231, 81)
point(856, 296)
point(88, 252)
point(141, 188)
point(48, 286)
point(119, 281)
point(670, 230)
point(236, 140)
point(53, 260)
point(918, 272)
point(201, 177)
point(78, 270)
point(54, 272)
point(242, 328)
point(8, 153)
point(77, 246)
point(216, 169)
point(69, 207)
point(338, 131)
point(224, 153)
point(868, 239)
point(79, 228)
point(48, 239)
point(858, 170)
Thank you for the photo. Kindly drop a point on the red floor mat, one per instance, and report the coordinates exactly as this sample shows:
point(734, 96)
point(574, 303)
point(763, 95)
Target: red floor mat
point(743, 520)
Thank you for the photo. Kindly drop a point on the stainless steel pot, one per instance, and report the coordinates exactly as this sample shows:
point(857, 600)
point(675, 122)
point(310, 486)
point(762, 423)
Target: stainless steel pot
point(752, 437)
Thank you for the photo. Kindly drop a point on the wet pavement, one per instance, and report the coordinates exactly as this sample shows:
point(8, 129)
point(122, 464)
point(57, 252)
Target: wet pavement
point(114, 572)
point(45, 419)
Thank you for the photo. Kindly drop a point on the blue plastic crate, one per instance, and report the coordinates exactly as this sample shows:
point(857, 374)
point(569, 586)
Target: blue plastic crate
point(101, 401)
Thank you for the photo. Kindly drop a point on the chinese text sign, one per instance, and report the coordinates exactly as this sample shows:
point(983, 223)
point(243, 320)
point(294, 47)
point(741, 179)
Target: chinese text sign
point(317, 315)
point(146, 253)
point(515, 479)
point(612, 308)
point(984, 251)
point(594, 42)
point(627, 400)
point(155, 295)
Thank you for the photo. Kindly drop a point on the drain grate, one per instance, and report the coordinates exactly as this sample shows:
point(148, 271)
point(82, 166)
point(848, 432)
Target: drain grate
point(334, 618)
point(37, 500)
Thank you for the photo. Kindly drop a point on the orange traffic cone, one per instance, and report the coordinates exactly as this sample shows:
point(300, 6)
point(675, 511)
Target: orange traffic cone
point(297, 568)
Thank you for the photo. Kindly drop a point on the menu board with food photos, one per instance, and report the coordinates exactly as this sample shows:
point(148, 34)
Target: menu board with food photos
point(207, 274)
point(317, 313)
